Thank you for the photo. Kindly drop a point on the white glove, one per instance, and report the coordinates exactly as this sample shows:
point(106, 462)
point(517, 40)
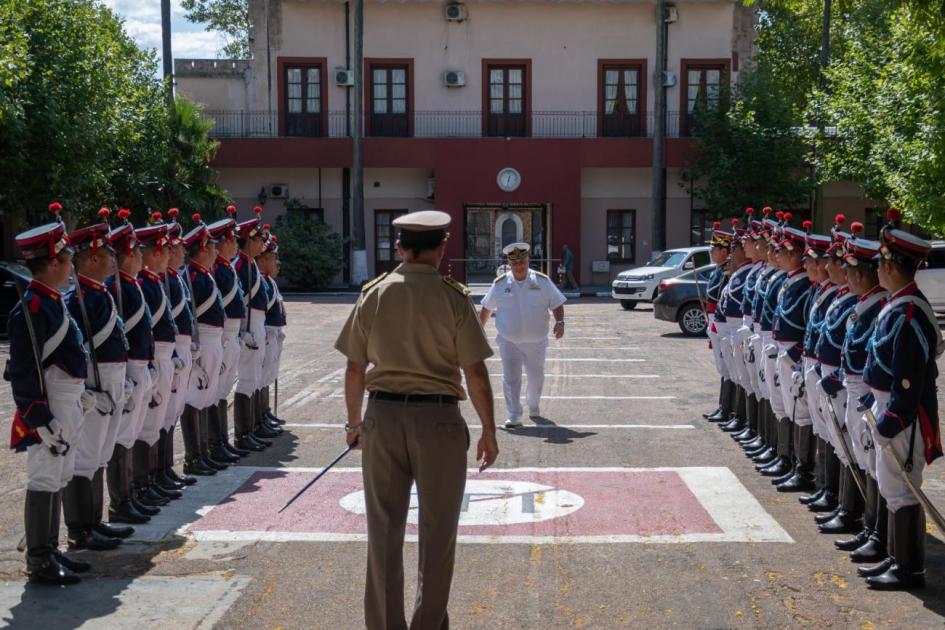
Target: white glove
point(248, 340)
point(797, 385)
point(51, 435)
point(194, 351)
point(102, 402)
point(179, 364)
point(154, 374)
point(156, 398)
point(87, 400)
point(203, 381)
point(270, 335)
point(280, 333)
point(130, 385)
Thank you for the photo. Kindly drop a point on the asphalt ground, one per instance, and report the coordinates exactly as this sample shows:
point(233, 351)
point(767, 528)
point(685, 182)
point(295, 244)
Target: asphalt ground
point(620, 508)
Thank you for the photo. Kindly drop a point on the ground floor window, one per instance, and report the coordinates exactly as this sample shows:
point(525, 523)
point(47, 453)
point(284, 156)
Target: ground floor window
point(621, 235)
point(488, 229)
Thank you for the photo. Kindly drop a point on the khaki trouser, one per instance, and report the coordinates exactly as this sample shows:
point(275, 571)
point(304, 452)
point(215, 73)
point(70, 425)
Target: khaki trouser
point(426, 444)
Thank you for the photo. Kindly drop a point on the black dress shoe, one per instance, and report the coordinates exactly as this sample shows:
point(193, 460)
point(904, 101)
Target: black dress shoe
point(752, 453)
point(765, 457)
point(212, 463)
point(826, 503)
point(873, 550)
point(738, 436)
point(149, 497)
point(48, 570)
point(897, 578)
point(719, 417)
point(127, 514)
point(843, 523)
point(167, 493)
point(875, 569)
point(113, 531)
point(265, 432)
point(259, 437)
point(828, 516)
point(273, 418)
point(737, 424)
point(91, 540)
point(164, 480)
point(246, 443)
point(713, 414)
point(777, 468)
point(150, 510)
point(798, 482)
point(186, 480)
point(807, 499)
point(755, 445)
point(232, 450)
point(272, 424)
point(76, 566)
point(223, 456)
point(782, 478)
point(851, 544)
point(199, 468)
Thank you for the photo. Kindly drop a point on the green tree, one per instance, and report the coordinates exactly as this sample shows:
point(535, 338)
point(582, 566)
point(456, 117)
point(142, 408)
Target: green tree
point(231, 17)
point(311, 253)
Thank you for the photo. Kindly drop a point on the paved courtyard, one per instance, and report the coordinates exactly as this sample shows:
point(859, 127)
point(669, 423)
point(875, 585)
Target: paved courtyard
point(620, 508)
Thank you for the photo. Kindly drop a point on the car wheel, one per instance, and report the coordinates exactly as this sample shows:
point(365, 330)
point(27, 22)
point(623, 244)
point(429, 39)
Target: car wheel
point(656, 293)
point(628, 305)
point(692, 320)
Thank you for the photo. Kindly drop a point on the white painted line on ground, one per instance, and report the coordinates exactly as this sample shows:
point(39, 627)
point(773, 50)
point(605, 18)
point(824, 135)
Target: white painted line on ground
point(317, 396)
point(549, 427)
point(591, 376)
point(560, 348)
point(583, 360)
point(586, 338)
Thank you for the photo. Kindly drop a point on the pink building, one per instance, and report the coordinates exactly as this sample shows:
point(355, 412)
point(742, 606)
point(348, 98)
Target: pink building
point(524, 120)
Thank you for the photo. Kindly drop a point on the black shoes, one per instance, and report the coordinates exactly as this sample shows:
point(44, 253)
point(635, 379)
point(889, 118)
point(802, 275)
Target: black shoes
point(113, 531)
point(90, 539)
point(127, 514)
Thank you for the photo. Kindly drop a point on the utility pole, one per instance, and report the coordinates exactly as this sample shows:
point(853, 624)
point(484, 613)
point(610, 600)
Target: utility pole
point(359, 271)
point(659, 132)
point(818, 209)
point(166, 54)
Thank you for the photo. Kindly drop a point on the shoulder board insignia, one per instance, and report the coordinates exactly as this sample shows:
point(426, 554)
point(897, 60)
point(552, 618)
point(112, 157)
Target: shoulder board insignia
point(34, 304)
point(538, 273)
point(457, 286)
point(498, 278)
point(367, 285)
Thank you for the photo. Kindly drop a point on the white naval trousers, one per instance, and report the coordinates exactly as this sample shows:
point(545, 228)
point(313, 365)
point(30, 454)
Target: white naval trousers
point(771, 375)
point(132, 421)
point(231, 357)
point(160, 393)
point(515, 356)
point(249, 370)
point(839, 405)
point(796, 408)
point(179, 382)
point(211, 358)
point(861, 438)
point(724, 350)
point(275, 337)
point(713, 334)
point(814, 394)
point(736, 349)
point(46, 472)
point(97, 437)
point(758, 349)
point(891, 484)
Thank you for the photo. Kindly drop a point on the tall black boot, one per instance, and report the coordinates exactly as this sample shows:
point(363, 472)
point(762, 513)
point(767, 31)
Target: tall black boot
point(98, 503)
point(802, 479)
point(156, 483)
point(74, 565)
point(243, 422)
point(165, 452)
point(820, 473)
point(827, 502)
point(141, 480)
point(770, 452)
point(206, 435)
point(718, 412)
point(224, 430)
point(41, 563)
point(184, 480)
point(761, 439)
point(908, 569)
point(737, 421)
point(268, 411)
point(875, 547)
point(121, 508)
point(78, 505)
point(262, 428)
point(190, 429)
point(751, 421)
point(725, 405)
point(215, 442)
point(784, 461)
point(847, 520)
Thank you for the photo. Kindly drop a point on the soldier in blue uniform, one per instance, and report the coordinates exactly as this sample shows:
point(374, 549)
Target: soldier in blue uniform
point(901, 372)
point(268, 263)
point(224, 232)
point(205, 376)
point(717, 280)
point(124, 505)
point(93, 308)
point(47, 372)
point(731, 311)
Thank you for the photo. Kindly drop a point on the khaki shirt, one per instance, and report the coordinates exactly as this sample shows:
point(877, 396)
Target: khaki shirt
point(416, 331)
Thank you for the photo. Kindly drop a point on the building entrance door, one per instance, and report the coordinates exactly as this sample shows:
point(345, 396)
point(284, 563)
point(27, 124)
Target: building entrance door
point(490, 228)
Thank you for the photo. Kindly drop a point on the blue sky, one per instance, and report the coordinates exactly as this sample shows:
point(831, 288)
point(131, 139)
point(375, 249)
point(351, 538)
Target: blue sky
point(143, 23)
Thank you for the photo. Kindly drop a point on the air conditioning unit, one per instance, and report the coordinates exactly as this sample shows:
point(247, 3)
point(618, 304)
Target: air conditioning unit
point(671, 15)
point(669, 78)
point(454, 78)
point(456, 12)
point(344, 77)
point(278, 191)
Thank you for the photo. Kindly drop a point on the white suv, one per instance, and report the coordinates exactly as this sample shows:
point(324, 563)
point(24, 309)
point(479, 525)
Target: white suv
point(931, 279)
point(642, 283)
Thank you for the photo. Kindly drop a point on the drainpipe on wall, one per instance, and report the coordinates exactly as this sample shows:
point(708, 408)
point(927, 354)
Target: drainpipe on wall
point(346, 172)
point(359, 271)
point(659, 132)
point(268, 65)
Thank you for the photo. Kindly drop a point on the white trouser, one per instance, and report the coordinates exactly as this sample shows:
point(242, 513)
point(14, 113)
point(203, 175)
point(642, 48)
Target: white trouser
point(719, 349)
point(274, 340)
point(758, 367)
point(892, 486)
point(839, 406)
point(231, 357)
point(773, 378)
point(514, 357)
point(728, 352)
point(179, 382)
point(814, 393)
point(713, 334)
point(97, 429)
point(132, 421)
point(249, 370)
point(46, 472)
point(861, 439)
point(737, 334)
point(160, 393)
point(796, 408)
point(211, 357)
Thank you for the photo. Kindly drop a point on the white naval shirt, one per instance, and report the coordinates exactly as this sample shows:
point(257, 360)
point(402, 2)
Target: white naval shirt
point(522, 308)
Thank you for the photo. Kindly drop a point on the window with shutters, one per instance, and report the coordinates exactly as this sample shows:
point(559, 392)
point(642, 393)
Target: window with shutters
point(389, 98)
point(705, 85)
point(622, 98)
point(303, 110)
point(506, 98)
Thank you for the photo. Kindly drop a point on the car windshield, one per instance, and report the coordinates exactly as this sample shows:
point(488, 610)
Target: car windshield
point(668, 259)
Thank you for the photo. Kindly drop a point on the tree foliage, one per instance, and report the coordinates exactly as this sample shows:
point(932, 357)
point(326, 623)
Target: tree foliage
point(230, 17)
point(312, 254)
point(83, 118)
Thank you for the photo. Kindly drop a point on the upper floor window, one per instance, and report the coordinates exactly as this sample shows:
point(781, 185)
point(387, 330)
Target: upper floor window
point(303, 105)
point(506, 99)
point(389, 99)
point(706, 83)
point(621, 99)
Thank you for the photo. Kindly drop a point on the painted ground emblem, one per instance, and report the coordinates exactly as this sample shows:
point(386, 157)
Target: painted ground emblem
point(520, 505)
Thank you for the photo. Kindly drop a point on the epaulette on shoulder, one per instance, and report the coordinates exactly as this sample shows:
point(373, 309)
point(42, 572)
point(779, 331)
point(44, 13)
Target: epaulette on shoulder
point(498, 278)
point(367, 285)
point(540, 274)
point(457, 286)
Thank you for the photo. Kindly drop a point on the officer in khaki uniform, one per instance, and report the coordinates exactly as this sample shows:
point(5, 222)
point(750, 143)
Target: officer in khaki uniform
point(416, 329)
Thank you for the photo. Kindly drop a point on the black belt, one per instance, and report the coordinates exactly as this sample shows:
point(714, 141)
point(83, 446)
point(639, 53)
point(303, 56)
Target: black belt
point(442, 399)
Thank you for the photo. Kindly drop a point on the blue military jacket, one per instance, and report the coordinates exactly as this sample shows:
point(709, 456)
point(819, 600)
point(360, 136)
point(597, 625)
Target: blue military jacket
point(713, 291)
point(206, 297)
point(790, 318)
point(275, 310)
point(769, 300)
point(250, 282)
point(230, 290)
point(731, 305)
point(179, 302)
point(106, 334)
point(59, 342)
point(751, 286)
point(901, 361)
point(761, 286)
point(860, 326)
point(162, 321)
point(821, 300)
point(833, 330)
point(135, 317)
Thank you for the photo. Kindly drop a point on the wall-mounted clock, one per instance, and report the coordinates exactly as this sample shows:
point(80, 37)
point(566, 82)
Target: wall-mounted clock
point(509, 179)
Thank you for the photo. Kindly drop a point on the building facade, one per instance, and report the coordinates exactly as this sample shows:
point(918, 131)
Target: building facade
point(524, 120)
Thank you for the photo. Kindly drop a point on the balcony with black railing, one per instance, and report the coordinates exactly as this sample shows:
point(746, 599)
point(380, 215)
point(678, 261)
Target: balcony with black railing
point(441, 124)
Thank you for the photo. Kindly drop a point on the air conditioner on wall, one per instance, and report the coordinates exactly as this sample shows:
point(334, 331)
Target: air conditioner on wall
point(454, 78)
point(669, 78)
point(344, 77)
point(670, 15)
point(278, 191)
point(456, 12)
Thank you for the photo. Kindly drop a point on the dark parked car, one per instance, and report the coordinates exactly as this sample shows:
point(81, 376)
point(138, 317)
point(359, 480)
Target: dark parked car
point(8, 294)
point(680, 300)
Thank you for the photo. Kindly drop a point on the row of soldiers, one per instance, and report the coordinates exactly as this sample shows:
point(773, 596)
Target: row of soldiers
point(826, 350)
point(120, 334)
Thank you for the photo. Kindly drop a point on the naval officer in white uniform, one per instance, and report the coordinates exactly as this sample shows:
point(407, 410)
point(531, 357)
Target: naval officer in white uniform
point(521, 299)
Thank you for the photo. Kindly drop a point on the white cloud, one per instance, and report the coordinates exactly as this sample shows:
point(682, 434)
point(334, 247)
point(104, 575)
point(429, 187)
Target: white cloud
point(143, 23)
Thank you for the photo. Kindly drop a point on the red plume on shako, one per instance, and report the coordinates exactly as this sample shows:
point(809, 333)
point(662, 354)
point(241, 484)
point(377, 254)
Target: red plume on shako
point(857, 228)
point(124, 213)
point(104, 213)
point(766, 210)
point(195, 217)
point(807, 224)
point(156, 217)
point(172, 213)
point(716, 225)
point(231, 209)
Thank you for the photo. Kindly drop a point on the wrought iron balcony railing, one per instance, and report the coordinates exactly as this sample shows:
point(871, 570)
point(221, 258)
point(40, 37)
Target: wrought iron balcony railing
point(442, 124)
